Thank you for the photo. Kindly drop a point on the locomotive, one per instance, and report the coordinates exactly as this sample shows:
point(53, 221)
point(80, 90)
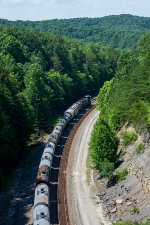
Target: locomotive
point(41, 213)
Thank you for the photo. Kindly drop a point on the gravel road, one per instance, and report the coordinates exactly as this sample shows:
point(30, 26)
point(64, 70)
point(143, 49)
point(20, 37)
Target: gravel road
point(82, 208)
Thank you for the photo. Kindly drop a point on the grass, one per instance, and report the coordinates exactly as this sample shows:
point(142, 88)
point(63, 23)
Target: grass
point(129, 138)
point(123, 223)
point(139, 149)
point(134, 209)
point(121, 175)
point(131, 223)
point(35, 139)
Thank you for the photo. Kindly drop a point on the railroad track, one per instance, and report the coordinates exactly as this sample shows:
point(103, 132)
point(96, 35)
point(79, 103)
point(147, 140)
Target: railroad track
point(63, 198)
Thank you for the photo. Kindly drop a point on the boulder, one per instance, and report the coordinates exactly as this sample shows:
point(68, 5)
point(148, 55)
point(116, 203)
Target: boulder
point(119, 201)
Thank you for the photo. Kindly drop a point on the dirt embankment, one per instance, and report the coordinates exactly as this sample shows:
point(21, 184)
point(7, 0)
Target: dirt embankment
point(129, 199)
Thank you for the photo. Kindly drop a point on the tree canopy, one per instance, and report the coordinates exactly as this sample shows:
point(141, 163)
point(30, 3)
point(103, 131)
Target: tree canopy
point(119, 31)
point(40, 75)
point(125, 98)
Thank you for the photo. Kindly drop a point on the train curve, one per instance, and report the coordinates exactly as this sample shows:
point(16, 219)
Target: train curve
point(63, 196)
point(45, 210)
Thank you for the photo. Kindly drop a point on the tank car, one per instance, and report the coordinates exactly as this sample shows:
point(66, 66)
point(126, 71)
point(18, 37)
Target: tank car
point(41, 195)
point(50, 145)
point(69, 113)
point(61, 124)
point(49, 150)
point(43, 175)
point(41, 215)
point(53, 137)
point(64, 120)
point(41, 222)
point(75, 107)
point(46, 160)
point(58, 130)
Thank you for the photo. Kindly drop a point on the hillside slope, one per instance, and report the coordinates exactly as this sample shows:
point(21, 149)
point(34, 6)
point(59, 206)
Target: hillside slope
point(122, 31)
point(120, 143)
point(128, 199)
point(40, 75)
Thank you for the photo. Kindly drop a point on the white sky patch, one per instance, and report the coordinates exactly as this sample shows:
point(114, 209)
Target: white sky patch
point(11, 1)
point(41, 1)
point(26, 2)
point(92, 2)
point(51, 9)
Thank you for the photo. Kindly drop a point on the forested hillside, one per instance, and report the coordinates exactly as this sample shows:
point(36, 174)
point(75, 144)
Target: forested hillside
point(40, 75)
point(124, 99)
point(123, 31)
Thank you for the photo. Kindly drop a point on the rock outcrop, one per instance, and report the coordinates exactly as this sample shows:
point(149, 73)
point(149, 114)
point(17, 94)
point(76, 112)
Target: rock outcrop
point(129, 199)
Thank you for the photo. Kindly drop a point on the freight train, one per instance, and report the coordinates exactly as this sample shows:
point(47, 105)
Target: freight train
point(41, 213)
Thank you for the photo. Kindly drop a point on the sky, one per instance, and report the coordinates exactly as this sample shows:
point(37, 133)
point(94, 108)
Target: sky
point(52, 9)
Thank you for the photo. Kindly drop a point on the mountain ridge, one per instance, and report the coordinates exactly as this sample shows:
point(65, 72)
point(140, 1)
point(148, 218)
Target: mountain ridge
point(119, 31)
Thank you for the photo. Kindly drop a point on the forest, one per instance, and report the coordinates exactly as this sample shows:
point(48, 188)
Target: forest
point(40, 76)
point(125, 98)
point(42, 73)
point(119, 31)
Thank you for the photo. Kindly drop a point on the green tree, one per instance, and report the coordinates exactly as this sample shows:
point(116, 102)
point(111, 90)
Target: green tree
point(103, 144)
point(38, 94)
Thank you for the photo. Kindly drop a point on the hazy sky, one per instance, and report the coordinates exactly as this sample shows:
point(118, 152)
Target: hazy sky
point(50, 9)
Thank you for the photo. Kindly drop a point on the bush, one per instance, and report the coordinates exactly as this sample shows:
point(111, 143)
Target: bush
point(134, 209)
point(106, 168)
point(139, 149)
point(103, 143)
point(140, 112)
point(129, 138)
point(121, 175)
point(131, 223)
point(123, 223)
